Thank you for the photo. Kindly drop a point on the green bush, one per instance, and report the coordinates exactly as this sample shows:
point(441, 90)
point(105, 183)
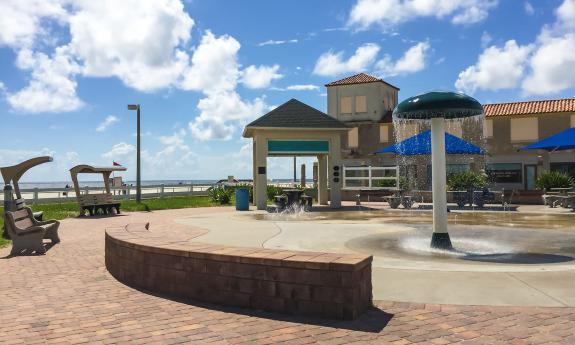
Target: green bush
point(466, 180)
point(554, 179)
point(273, 191)
point(391, 183)
point(221, 195)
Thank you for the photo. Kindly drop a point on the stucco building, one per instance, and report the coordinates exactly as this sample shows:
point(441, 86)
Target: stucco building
point(365, 104)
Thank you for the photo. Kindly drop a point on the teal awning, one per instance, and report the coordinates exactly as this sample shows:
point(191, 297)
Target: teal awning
point(290, 147)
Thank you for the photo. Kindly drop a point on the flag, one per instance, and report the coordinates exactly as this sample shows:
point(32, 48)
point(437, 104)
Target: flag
point(116, 164)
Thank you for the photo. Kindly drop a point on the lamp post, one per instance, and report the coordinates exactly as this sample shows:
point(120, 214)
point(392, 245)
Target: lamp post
point(138, 170)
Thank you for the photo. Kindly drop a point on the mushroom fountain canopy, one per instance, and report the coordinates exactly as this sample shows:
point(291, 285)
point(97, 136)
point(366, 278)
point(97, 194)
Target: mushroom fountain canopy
point(434, 104)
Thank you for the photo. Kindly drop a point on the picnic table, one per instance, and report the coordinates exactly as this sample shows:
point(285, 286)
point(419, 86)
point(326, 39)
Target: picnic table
point(293, 195)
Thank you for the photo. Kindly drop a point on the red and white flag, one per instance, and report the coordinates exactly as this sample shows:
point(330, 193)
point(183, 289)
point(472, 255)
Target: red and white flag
point(116, 164)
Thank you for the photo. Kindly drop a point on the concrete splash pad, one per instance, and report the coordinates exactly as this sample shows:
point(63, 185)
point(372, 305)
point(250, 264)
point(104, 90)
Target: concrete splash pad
point(500, 259)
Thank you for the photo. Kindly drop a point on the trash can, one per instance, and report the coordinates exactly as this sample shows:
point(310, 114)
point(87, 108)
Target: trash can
point(242, 199)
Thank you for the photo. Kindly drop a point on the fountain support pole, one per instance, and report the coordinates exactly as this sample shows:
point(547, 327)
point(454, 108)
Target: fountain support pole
point(440, 238)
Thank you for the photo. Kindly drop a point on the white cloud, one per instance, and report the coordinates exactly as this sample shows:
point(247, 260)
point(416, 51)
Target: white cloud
point(331, 64)
point(139, 42)
point(276, 42)
point(528, 8)
point(108, 121)
point(545, 66)
point(552, 66)
point(222, 113)
point(302, 87)
point(119, 151)
point(214, 65)
point(52, 87)
point(392, 12)
point(413, 60)
point(20, 20)
point(496, 68)
point(255, 77)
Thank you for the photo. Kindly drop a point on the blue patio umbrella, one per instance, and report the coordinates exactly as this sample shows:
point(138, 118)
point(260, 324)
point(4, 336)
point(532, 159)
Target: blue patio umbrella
point(420, 144)
point(561, 141)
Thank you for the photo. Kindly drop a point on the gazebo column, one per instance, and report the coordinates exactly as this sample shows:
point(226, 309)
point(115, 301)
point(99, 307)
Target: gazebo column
point(322, 179)
point(335, 173)
point(254, 172)
point(260, 178)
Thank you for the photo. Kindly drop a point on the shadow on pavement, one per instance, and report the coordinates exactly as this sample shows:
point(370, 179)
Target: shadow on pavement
point(519, 258)
point(373, 320)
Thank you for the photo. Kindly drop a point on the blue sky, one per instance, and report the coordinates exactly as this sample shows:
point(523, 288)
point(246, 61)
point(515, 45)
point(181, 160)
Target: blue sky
point(202, 69)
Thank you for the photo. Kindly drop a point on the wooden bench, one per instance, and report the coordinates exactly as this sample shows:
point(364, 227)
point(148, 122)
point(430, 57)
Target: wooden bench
point(98, 203)
point(27, 233)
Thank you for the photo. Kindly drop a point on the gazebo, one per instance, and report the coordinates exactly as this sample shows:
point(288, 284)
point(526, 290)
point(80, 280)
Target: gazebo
point(297, 129)
point(93, 204)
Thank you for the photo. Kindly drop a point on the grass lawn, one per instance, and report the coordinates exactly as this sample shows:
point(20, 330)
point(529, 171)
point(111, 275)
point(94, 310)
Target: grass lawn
point(70, 209)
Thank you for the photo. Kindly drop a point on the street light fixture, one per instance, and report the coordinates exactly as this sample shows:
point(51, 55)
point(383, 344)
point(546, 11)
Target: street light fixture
point(138, 170)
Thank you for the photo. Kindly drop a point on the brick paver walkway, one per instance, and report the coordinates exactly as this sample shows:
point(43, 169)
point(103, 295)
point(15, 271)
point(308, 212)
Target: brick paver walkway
point(67, 296)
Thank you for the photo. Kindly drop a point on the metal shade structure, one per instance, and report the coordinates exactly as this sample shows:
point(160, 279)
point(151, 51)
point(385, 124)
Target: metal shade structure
point(420, 144)
point(438, 104)
point(561, 141)
point(88, 169)
point(12, 174)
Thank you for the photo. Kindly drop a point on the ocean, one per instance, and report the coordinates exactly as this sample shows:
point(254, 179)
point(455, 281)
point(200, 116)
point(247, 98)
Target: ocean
point(62, 184)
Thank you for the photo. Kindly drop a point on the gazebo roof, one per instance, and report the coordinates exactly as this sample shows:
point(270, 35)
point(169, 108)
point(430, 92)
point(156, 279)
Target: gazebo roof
point(294, 114)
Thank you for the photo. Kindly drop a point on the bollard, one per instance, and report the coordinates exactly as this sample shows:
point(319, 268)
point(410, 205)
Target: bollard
point(35, 198)
point(8, 204)
point(162, 191)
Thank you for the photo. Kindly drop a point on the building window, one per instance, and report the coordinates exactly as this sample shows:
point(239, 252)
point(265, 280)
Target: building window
point(504, 172)
point(524, 129)
point(573, 120)
point(360, 104)
point(567, 168)
point(353, 138)
point(488, 128)
point(383, 133)
point(345, 105)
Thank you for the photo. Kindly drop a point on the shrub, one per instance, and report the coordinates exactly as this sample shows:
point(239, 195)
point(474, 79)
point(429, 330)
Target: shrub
point(273, 191)
point(391, 183)
point(221, 195)
point(466, 180)
point(554, 179)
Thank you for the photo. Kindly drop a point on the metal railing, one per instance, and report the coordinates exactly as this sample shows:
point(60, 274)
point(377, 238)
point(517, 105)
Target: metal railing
point(48, 195)
point(369, 177)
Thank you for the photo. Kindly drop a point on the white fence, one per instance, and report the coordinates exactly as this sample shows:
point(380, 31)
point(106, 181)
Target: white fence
point(370, 177)
point(47, 195)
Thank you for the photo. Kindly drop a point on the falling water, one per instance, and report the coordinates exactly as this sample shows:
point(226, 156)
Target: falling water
point(468, 128)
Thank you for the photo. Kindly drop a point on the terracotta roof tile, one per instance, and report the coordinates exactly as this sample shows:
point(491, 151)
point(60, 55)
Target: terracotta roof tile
point(531, 107)
point(360, 78)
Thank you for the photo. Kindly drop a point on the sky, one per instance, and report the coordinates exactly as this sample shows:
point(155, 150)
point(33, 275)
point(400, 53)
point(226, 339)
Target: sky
point(201, 70)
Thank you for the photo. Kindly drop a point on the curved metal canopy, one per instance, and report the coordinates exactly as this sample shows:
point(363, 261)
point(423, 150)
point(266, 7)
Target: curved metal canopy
point(14, 173)
point(446, 104)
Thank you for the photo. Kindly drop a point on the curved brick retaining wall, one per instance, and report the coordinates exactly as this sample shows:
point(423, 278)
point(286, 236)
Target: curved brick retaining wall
point(302, 283)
